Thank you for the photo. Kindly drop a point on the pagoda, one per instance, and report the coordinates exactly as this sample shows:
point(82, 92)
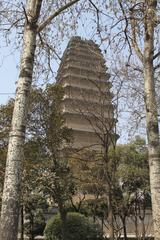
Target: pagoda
point(87, 104)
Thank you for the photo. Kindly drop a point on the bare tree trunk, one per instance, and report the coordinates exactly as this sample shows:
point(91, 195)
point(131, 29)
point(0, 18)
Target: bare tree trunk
point(136, 223)
point(150, 21)
point(123, 219)
point(102, 223)
point(63, 216)
point(151, 114)
point(22, 223)
point(11, 192)
point(110, 218)
point(142, 213)
point(31, 235)
point(136, 216)
point(143, 229)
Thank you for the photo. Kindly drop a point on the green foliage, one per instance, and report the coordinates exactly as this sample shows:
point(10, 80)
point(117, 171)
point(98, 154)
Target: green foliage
point(131, 187)
point(133, 170)
point(46, 126)
point(35, 206)
point(77, 227)
point(97, 207)
point(45, 118)
point(45, 169)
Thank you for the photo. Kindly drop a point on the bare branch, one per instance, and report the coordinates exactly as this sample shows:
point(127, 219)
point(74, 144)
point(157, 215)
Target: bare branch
point(126, 29)
point(24, 10)
point(156, 55)
point(157, 66)
point(49, 47)
point(134, 38)
point(135, 68)
point(97, 13)
point(55, 14)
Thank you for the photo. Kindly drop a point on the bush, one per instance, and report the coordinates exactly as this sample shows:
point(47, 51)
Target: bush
point(77, 227)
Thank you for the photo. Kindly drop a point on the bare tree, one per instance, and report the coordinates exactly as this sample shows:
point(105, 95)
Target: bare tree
point(133, 29)
point(144, 15)
point(11, 192)
point(97, 113)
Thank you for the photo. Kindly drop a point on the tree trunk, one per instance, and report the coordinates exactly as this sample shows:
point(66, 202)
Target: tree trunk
point(31, 236)
point(102, 223)
point(95, 210)
point(63, 216)
point(151, 114)
point(22, 223)
point(124, 227)
point(142, 213)
point(136, 224)
point(143, 229)
point(11, 192)
point(136, 217)
point(110, 218)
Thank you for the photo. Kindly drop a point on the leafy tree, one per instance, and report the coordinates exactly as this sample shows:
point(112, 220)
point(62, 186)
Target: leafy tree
point(46, 169)
point(45, 122)
point(77, 227)
point(35, 207)
point(129, 177)
point(92, 177)
point(31, 163)
point(131, 190)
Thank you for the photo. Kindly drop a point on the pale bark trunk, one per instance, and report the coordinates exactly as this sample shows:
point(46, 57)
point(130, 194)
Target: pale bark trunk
point(151, 115)
point(11, 192)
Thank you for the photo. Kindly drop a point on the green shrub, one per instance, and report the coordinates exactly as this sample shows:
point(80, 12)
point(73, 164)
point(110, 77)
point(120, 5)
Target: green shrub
point(77, 227)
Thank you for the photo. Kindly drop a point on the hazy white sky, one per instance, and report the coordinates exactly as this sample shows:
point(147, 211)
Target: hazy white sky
point(8, 70)
point(8, 75)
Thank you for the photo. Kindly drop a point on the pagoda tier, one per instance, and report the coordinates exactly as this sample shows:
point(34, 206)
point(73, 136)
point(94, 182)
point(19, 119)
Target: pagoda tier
point(87, 103)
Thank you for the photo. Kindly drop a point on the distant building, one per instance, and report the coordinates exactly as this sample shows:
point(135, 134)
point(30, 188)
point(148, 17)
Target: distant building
point(87, 105)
